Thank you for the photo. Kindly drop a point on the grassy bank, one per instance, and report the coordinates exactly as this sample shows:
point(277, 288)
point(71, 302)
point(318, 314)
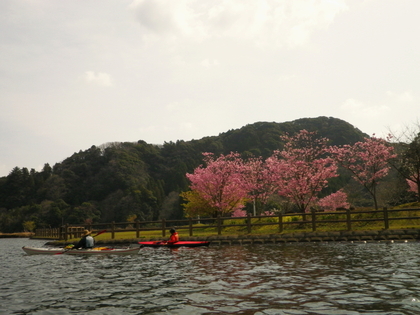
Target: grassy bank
point(298, 227)
point(405, 217)
point(15, 235)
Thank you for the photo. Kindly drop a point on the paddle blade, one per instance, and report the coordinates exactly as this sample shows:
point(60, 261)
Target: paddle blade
point(99, 233)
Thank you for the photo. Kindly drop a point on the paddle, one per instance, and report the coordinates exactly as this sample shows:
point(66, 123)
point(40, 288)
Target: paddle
point(155, 242)
point(99, 233)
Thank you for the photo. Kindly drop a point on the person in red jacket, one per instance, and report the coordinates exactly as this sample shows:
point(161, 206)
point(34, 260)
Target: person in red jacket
point(174, 236)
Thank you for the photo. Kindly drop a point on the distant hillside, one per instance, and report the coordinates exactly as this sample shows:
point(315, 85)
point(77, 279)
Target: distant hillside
point(262, 138)
point(114, 181)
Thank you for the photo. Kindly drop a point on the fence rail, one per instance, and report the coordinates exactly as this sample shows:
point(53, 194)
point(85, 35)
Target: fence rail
point(346, 221)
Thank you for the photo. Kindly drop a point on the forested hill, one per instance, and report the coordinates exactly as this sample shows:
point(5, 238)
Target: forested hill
point(120, 181)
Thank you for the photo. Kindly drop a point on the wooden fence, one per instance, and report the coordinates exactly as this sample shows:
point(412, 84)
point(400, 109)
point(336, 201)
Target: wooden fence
point(343, 220)
point(66, 232)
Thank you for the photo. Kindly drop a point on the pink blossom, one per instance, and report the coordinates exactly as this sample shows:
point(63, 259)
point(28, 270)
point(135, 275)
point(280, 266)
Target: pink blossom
point(367, 161)
point(257, 181)
point(334, 201)
point(268, 213)
point(239, 213)
point(220, 182)
point(412, 186)
point(302, 169)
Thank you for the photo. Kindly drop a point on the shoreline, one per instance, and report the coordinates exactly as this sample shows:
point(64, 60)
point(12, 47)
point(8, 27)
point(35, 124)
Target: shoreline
point(400, 235)
point(17, 235)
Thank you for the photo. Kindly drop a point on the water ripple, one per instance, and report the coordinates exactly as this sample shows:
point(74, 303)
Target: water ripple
point(289, 279)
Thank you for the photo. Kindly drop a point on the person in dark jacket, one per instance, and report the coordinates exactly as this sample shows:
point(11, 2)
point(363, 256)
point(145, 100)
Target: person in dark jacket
point(87, 241)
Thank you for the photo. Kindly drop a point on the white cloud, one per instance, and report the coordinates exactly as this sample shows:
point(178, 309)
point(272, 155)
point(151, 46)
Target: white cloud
point(158, 16)
point(266, 22)
point(406, 96)
point(206, 63)
point(100, 78)
point(286, 77)
point(307, 16)
point(352, 105)
point(364, 110)
point(211, 65)
point(4, 169)
point(173, 107)
point(186, 126)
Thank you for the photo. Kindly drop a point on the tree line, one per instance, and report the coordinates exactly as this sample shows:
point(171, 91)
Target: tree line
point(129, 181)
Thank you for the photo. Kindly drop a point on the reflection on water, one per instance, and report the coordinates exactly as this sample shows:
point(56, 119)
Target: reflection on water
point(298, 279)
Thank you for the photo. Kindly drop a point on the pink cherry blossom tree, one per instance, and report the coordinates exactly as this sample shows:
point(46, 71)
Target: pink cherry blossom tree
point(219, 182)
point(257, 182)
point(413, 186)
point(407, 163)
point(302, 169)
point(239, 213)
point(367, 161)
point(334, 201)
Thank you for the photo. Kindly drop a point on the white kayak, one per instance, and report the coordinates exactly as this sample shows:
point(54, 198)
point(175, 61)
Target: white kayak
point(93, 251)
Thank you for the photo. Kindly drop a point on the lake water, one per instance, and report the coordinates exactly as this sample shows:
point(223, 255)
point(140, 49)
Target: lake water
point(295, 279)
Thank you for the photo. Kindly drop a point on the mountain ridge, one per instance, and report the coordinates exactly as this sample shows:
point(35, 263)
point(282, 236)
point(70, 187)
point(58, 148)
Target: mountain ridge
point(121, 180)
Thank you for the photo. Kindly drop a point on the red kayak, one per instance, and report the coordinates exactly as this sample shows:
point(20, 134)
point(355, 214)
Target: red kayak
point(177, 244)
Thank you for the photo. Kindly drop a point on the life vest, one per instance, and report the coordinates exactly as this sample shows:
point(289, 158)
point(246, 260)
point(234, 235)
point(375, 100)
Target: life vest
point(174, 238)
point(90, 242)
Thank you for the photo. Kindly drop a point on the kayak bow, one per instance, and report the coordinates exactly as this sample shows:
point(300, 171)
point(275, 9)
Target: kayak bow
point(177, 244)
point(93, 251)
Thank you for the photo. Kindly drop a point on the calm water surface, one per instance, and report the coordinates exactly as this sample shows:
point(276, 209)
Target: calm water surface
point(296, 279)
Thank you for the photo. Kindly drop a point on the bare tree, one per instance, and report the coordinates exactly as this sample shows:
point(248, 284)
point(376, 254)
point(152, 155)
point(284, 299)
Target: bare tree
point(407, 162)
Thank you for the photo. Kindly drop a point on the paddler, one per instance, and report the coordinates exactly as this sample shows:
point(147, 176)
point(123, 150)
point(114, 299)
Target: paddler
point(174, 236)
point(87, 241)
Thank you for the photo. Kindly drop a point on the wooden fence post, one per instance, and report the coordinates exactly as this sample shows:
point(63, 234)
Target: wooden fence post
point(66, 231)
point(219, 225)
point(137, 229)
point(313, 220)
point(248, 223)
point(348, 218)
point(190, 226)
point(163, 227)
point(280, 222)
point(386, 221)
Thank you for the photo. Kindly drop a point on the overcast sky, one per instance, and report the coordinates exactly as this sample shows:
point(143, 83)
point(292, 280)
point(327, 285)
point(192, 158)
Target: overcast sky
point(86, 72)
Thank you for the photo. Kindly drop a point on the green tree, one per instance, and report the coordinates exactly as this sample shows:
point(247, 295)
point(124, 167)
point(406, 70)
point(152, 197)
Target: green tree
point(195, 205)
point(29, 226)
point(86, 212)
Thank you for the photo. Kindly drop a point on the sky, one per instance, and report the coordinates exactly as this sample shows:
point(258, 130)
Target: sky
point(87, 72)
